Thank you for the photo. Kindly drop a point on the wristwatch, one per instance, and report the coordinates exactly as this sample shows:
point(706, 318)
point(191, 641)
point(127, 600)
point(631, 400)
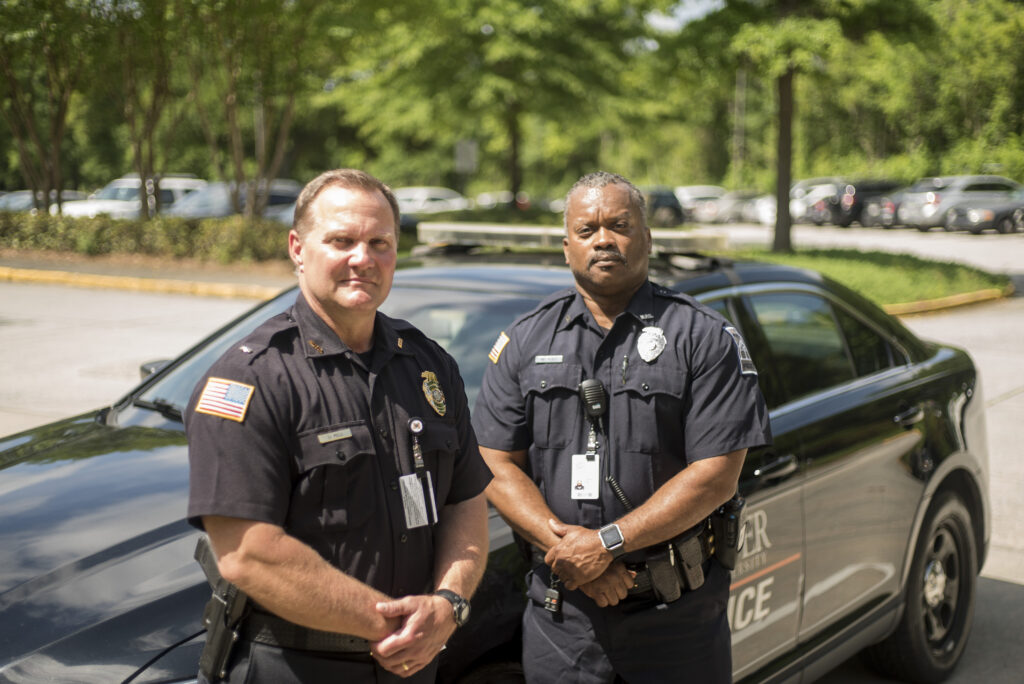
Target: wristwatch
point(460, 606)
point(611, 539)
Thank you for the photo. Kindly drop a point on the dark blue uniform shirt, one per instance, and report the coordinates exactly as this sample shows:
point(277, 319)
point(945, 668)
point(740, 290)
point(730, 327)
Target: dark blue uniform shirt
point(295, 430)
point(697, 398)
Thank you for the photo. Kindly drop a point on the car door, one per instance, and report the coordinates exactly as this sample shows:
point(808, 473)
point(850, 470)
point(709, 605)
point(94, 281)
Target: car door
point(764, 597)
point(851, 399)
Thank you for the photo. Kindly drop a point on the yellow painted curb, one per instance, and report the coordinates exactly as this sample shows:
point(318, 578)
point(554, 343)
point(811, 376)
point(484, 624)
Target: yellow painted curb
point(158, 285)
point(949, 302)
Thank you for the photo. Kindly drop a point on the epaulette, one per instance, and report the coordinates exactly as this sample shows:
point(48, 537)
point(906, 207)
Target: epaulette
point(262, 338)
point(553, 299)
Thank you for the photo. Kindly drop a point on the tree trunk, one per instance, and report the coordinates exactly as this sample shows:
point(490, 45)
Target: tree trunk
point(515, 173)
point(784, 161)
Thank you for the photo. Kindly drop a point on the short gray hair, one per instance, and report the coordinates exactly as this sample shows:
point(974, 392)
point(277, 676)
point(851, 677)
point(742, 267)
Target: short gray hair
point(345, 178)
point(599, 179)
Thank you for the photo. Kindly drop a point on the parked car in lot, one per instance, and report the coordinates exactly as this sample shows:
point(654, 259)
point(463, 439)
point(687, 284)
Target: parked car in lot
point(807, 199)
point(429, 200)
point(690, 195)
point(859, 201)
point(21, 200)
point(926, 203)
point(214, 200)
point(663, 208)
point(121, 198)
point(725, 209)
point(1003, 215)
point(867, 519)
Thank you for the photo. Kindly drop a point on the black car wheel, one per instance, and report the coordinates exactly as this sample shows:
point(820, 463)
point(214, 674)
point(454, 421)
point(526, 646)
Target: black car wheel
point(1007, 225)
point(937, 618)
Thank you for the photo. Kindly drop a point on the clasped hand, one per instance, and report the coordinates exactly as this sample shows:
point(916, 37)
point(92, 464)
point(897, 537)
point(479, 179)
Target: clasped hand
point(425, 625)
point(581, 562)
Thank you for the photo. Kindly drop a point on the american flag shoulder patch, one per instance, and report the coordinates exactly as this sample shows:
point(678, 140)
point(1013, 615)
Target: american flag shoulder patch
point(225, 399)
point(499, 346)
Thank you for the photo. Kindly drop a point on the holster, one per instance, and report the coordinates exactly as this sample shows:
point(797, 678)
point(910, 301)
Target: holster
point(727, 531)
point(222, 617)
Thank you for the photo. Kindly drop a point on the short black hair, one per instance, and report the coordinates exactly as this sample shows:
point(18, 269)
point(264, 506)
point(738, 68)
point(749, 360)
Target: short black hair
point(599, 179)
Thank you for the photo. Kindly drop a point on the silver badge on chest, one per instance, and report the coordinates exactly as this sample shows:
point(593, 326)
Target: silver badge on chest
point(651, 343)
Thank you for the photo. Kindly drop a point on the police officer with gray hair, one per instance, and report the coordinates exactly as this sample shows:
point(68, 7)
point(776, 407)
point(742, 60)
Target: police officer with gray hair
point(335, 470)
point(616, 417)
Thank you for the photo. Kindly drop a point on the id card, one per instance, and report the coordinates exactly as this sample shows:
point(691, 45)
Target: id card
point(586, 476)
point(413, 501)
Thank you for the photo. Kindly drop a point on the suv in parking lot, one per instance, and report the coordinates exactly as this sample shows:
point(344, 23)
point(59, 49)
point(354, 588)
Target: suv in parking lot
point(867, 519)
point(925, 205)
point(122, 198)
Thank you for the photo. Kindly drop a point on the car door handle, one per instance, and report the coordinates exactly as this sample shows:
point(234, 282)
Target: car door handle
point(779, 468)
point(914, 414)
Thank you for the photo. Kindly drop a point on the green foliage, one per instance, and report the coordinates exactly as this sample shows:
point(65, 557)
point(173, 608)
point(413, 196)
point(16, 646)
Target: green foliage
point(887, 278)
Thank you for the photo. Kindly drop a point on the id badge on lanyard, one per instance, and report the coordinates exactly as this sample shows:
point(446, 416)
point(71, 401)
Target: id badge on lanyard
point(417, 489)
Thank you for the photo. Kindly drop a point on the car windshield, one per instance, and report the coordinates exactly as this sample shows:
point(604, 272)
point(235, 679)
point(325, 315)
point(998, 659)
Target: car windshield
point(118, 192)
point(464, 323)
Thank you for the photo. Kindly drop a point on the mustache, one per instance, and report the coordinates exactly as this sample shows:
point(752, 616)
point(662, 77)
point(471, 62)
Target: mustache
point(607, 255)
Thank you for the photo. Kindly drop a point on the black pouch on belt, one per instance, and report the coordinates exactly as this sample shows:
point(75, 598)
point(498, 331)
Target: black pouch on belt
point(664, 578)
point(690, 556)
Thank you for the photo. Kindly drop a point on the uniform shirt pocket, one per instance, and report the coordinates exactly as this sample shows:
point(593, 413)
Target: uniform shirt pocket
point(550, 391)
point(338, 482)
point(440, 444)
point(652, 400)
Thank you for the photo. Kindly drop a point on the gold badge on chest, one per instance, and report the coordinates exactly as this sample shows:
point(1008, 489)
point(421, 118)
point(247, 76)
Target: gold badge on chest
point(432, 391)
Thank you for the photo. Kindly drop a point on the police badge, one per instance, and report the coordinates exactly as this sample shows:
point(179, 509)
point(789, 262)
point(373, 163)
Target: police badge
point(432, 391)
point(651, 343)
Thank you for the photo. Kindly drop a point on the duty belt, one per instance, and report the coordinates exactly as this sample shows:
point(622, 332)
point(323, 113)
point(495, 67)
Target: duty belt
point(264, 628)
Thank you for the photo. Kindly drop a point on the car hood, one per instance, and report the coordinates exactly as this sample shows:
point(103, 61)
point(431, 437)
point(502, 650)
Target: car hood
point(94, 207)
point(87, 510)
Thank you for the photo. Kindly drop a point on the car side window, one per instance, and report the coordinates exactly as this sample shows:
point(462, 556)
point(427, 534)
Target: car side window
point(805, 341)
point(870, 351)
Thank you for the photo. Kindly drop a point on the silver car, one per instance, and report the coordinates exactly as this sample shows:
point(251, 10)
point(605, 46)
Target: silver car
point(926, 204)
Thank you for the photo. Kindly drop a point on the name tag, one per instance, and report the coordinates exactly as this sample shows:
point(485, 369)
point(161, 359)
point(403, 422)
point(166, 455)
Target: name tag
point(549, 358)
point(586, 476)
point(334, 435)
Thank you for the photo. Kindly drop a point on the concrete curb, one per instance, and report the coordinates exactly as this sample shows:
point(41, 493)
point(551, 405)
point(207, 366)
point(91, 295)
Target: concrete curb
point(264, 292)
point(138, 284)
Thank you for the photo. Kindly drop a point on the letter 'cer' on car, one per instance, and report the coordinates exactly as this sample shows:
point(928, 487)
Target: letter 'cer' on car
point(866, 522)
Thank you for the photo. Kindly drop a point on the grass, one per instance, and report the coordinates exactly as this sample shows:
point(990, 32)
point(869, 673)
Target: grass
point(886, 278)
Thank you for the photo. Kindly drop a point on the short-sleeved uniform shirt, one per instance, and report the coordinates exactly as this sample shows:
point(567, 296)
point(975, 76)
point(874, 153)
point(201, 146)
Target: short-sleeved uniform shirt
point(292, 428)
point(694, 396)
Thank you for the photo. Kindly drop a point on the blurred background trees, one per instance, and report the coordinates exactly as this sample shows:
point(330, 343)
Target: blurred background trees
point(509, 94)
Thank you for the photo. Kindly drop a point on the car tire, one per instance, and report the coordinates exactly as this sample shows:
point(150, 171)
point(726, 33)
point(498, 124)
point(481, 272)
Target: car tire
point(1007, 225)
point(495, 673)
point(930, 637)
point(923, 229)
point(665, 217)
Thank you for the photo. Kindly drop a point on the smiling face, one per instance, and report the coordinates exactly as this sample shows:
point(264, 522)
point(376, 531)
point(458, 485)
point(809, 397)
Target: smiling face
point(346, 258)
point(607, 243)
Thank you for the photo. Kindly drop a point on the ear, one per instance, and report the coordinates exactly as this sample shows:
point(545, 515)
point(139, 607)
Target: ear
point(565, 249)
point(295, 248)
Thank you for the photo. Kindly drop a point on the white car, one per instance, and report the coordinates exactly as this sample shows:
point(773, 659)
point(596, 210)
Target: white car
point(690, 195)
point(120, 198)
point(429, 200)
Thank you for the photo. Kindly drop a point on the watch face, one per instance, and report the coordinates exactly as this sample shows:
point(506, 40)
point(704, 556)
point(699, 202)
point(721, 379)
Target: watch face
point(610, 536)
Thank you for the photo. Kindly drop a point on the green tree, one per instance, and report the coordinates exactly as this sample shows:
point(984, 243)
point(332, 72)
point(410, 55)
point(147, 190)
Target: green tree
point(493, 71)
point(45, 50)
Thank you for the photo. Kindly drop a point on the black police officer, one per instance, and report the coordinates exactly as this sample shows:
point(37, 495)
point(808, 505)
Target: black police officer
point(598, 483)
point(334, 467)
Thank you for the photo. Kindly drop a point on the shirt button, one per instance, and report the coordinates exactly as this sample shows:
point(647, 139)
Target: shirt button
point(404, 538)
point(383, 431)
point(645, 386)
point(543, 383)
point(394, 484)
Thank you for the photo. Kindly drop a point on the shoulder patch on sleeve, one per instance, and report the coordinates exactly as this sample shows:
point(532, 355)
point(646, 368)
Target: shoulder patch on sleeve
point(499, 346)
point(225, 399)
point(746, 363)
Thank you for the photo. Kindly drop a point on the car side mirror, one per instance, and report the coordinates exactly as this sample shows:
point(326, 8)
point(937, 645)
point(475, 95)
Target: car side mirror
point(150, 367)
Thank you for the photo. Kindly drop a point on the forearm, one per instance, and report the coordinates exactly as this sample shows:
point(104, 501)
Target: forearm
point(293, 581)
point(682, 502)
point(462, 544)
point(518, 499)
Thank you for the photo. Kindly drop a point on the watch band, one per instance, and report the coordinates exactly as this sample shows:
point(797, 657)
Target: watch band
point(460, 606)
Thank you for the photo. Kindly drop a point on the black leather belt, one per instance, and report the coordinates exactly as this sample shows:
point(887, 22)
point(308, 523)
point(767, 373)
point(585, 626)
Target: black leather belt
point(264, 628)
